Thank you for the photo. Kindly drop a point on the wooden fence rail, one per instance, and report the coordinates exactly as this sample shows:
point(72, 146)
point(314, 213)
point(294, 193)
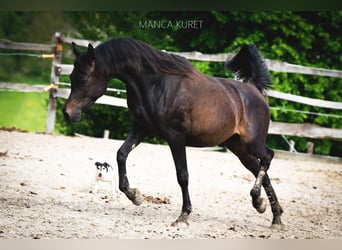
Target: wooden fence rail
point(6, 44)
point(305, 100)
point(272, 65)
point(305, 130)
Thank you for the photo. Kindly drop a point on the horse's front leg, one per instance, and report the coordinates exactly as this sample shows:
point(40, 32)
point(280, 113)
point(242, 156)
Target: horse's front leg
point(179, 157)
point(133, 139)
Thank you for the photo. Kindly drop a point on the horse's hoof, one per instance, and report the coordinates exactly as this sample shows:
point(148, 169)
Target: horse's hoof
point(277, 224)
point(137, 197)
point(137, 201)
point(178, 223)
point(263, 204)
point(183, 219)
point(277, 227)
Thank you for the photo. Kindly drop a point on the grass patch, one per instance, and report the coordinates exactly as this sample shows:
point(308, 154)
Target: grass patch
point(26, 111)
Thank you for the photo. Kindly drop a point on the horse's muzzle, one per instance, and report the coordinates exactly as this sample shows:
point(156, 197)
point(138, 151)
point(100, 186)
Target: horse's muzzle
point(71, 116)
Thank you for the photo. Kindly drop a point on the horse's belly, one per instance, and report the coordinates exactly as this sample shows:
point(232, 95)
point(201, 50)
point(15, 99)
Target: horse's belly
point(211, 130)
point(207, 140)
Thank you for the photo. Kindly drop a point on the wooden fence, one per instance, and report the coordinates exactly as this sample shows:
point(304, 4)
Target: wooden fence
point(277, 128)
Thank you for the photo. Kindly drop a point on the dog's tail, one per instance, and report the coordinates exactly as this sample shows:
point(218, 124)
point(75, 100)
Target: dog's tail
point(249, 66)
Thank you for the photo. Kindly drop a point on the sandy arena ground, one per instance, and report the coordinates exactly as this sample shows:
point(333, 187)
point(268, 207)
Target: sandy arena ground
point(45, 182)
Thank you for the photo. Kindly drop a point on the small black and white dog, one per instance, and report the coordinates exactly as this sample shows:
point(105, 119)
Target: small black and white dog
point(105, 173)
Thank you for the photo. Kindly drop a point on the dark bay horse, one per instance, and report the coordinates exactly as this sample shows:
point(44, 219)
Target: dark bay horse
point(169, 98)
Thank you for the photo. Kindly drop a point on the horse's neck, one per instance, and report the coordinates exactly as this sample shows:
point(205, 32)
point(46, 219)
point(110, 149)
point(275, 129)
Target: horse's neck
point(138, 83)
point(139, 98)
point(136, 87)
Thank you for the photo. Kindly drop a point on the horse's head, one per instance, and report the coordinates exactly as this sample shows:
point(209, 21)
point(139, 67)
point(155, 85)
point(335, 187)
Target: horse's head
point(87, 84)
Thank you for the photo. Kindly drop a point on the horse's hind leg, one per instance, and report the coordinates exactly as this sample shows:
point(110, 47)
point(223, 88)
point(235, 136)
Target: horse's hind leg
point(253, 164)
point(263, 179)
point(263, 166)
point(272, 197)
point(133, 139)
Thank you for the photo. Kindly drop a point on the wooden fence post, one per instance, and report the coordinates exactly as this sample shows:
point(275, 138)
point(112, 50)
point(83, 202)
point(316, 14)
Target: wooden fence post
point(52, 105)
point(310, 147)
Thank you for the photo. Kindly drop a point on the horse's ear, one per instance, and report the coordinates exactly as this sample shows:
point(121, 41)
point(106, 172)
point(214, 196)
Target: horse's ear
point(91, 52)
point(76, 51)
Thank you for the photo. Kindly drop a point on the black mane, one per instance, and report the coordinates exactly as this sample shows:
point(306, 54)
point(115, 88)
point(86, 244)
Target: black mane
point(138, 56)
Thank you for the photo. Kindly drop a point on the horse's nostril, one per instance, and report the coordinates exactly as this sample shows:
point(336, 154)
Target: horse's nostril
point(66, 115)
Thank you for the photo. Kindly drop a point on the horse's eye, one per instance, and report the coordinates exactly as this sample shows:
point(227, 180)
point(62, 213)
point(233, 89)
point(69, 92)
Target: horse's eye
point(84, 80)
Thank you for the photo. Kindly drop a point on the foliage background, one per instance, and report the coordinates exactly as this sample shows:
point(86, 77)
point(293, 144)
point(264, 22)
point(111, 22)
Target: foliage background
point(305, 38)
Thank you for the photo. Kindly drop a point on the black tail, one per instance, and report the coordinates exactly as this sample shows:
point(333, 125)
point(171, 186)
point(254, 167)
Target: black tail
point(248, 66)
